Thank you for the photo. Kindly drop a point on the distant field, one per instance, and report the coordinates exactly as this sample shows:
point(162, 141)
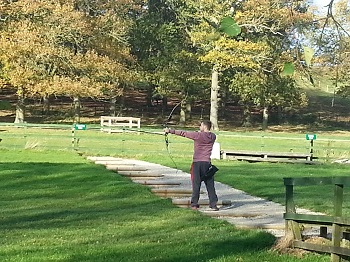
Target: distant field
point(328, 146)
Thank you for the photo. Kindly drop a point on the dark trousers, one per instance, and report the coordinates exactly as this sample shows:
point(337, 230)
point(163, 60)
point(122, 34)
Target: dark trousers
point(198, 169)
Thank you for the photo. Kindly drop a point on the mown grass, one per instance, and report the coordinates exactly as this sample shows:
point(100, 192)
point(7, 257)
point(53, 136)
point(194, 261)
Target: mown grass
point(327, 147)
point(260, 179)
point(57, 206)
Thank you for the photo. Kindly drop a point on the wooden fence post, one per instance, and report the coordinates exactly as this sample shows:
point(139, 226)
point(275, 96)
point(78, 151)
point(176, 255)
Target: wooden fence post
point(290, 208)
point(336, 229)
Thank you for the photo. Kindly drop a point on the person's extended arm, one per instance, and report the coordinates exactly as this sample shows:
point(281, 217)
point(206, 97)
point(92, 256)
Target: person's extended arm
point(188, 134)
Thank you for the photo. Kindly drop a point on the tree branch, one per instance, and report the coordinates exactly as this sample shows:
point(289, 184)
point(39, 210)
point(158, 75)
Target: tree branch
point(329, 17)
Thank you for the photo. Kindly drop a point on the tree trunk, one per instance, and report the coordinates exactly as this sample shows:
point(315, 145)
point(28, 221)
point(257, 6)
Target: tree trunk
point(265, 118)
point(189, 110)
point(165, 103)
point(247, 117)
point(279, 114)
point(214, 91)
point(46, 105)
point(76, 102)
point(183, 113)
point(112, 106)
point(149, 95)
point(20, 108)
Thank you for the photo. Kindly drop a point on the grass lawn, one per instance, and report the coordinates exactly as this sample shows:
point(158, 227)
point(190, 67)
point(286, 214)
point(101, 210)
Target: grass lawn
point(57, 206)
point(265, 180)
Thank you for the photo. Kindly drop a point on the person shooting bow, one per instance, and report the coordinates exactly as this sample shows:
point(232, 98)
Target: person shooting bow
point(203, 146)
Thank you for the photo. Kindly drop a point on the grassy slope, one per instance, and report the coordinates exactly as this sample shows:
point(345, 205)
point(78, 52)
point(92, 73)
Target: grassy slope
point(330, 109)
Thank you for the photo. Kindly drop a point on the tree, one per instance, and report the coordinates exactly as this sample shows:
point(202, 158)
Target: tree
point(252, 47)
point(266, 91)
point(200, 19)
point(166, 58)
point(333, 41)
point(52, 48)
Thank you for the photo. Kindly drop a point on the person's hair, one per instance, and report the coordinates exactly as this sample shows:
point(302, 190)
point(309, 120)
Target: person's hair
point(207, 123)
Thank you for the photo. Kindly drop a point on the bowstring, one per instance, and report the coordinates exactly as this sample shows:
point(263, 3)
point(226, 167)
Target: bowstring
point(166, 134)
point(167, 149)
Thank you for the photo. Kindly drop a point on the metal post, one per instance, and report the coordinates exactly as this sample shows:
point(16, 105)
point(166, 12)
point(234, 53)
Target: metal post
point(311, 149)
point(73, 137)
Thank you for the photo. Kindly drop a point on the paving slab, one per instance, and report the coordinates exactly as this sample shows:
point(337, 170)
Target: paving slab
point(236, 206)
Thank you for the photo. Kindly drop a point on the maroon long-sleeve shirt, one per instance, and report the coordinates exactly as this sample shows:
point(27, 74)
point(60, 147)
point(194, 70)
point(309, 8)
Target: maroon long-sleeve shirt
point(203, 143)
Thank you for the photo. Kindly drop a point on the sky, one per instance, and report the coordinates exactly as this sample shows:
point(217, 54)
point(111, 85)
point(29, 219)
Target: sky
point(321, 4)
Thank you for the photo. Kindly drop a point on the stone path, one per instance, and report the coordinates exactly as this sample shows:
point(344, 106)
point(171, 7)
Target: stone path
point(236, 206)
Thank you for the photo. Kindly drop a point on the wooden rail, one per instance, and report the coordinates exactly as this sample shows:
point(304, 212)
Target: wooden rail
point(338, 223)
point(255, 156)
point(109, 123)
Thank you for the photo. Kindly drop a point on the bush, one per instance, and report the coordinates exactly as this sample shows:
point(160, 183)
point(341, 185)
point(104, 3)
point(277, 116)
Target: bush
point(5, 105)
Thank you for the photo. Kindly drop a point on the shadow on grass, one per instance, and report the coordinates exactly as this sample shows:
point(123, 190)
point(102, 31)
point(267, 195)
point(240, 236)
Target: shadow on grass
point(187, 250)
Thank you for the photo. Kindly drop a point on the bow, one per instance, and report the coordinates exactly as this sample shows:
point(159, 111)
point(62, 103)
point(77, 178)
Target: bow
point(166, 138)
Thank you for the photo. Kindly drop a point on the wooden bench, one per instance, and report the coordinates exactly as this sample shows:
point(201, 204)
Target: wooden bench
point(109, 123)
point(255, 156)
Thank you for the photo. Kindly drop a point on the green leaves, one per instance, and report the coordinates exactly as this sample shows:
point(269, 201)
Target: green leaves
point(229, 26)
point(288, 69)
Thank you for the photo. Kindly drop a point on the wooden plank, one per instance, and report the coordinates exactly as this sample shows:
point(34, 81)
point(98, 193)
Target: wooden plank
point(308, 181)
point(173, 190)
point(125, 168)
point(321, 248)
point(159, 183)
point(317, 219)
point(266, 154)
point(270, 160)
point(309, 219)
point(138, 174)
point(243, 153)
point(204, 202)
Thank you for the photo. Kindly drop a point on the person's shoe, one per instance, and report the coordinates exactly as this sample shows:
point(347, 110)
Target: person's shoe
point(215, 208)
point(194, 208)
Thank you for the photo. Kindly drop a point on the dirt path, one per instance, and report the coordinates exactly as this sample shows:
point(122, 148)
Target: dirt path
point(236, 206)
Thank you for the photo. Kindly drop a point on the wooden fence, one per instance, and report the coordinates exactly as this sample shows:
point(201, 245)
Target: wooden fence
point(337, 222)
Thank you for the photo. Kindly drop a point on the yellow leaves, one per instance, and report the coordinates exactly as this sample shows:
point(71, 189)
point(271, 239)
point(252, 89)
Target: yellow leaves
point(48, 48)
point(64, 85)
point(271, 15)
point(231, 44)
point(21, 76)
point(225, 60)
point(204, 38)
point(232, 53)
point(239, 15)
